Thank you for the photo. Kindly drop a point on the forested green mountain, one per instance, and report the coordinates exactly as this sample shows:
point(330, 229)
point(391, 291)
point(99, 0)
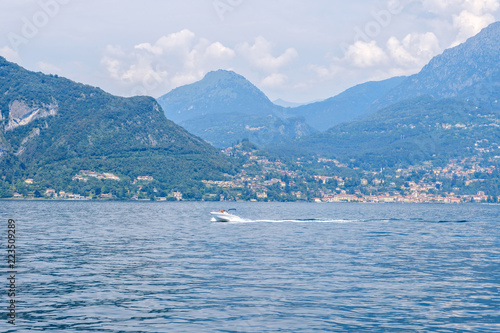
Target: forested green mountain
point(353, 104)
point(51, 127)
point(58, 134)
point(409, 132)
point(448, 110)
point(224, 108)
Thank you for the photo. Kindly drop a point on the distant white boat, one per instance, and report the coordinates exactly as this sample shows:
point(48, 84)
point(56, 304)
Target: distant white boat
point(224, 216)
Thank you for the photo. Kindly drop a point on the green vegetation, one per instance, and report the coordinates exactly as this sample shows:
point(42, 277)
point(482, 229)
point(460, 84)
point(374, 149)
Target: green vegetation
point(267, 177)
point(52, 128)
point(439, 143)
point(406, 134)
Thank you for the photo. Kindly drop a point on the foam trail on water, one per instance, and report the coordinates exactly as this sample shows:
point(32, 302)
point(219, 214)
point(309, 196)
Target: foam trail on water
point(294, 221)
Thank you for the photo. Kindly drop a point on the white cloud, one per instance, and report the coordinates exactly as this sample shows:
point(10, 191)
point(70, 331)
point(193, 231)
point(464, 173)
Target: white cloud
point(219, 51)
point(468, 16)
point(322, 72)
point(260, 55)
point(438, 6)
point(175, 42)
point(110, 61)
point(366, 61)
point(392, 52)
point(274, 81)
point(362, 54)
point(413, 51)
point(469, 24)
point(181, 58)
point(480, 7)
point(156, 50)
point(176, 59)
point(187, 78)
point(10, 54)
point(47, 68)
point(137, 70)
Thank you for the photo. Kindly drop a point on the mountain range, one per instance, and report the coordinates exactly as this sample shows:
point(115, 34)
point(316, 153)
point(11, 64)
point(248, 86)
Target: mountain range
point(352, 104)
point(408, 133)
point(448, 110)
point(224, 108)
point(469, 71)
point(51, 128)
point(441, 112)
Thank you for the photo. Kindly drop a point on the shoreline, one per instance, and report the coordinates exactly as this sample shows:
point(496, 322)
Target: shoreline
point(251, 201)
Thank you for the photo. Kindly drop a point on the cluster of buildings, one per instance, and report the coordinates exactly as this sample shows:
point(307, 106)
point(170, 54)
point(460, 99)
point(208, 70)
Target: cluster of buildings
point(263, 178)
point(413, 198)
point(464, 168)
point(416, 184)
point(52, 193)
point(84, 175)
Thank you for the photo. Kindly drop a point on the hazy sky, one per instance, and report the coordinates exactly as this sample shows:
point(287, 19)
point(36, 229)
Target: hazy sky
point(297, 50)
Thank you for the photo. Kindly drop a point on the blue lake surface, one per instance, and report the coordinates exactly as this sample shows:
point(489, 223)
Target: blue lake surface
point(288, 267)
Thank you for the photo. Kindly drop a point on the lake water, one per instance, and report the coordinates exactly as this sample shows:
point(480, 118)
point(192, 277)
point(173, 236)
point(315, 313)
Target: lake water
point(289, 267)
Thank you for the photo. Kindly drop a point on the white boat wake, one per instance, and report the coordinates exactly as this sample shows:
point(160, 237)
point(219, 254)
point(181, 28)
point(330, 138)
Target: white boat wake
point(243, 220)
point(225, 216)
point(308, 221)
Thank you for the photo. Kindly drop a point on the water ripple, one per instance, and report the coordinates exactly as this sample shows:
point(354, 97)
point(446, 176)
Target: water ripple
point(165, 267)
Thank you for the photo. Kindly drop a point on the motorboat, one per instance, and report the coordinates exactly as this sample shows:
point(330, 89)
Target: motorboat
point(225, 216)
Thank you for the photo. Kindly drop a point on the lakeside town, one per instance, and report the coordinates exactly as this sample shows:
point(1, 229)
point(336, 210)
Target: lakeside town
point(415, 184)
point(265, 178)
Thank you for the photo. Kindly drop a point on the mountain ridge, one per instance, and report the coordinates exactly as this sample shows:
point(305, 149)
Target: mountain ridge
point(441, 113)
point(207, 101)
point(462, 71)
point(352, 104)
point(224, 108)
point(52, 127)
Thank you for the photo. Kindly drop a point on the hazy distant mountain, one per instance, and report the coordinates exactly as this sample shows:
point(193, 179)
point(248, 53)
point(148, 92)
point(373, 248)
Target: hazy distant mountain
point(224, 108)
point(287, 104)
point(51, 127)
point(468, 71)
point(352, 104)
point(448, 110)
point(408, 132)
point(218, 92)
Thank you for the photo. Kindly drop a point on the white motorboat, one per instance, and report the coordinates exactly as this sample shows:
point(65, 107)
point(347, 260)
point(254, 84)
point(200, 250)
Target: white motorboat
point(224, 216)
